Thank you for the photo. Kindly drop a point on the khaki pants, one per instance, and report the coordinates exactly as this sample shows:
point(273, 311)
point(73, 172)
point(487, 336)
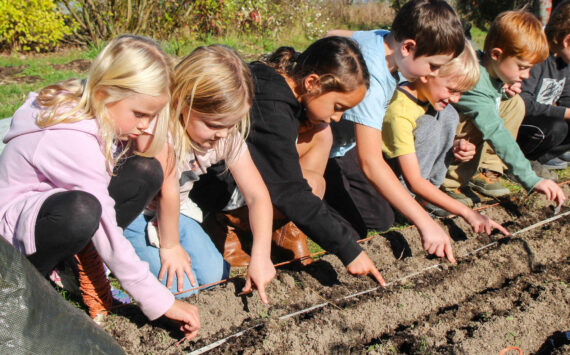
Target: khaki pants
point(512, 112)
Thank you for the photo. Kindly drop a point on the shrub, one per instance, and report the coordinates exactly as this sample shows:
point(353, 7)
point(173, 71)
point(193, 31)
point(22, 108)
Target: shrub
point(31, 25)
point(483, 12)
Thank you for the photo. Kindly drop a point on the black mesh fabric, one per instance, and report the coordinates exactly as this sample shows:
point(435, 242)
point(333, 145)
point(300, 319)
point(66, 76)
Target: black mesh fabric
point(35, 319)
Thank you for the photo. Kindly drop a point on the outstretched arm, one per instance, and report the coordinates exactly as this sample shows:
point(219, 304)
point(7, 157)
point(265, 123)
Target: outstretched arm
point(426, 190)
point(174, 260)
point(341, 33)
point(381, 176)
point(261, 270)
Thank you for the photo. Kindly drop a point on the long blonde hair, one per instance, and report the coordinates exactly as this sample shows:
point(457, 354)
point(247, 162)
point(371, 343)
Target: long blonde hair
point(127, 65)
point(214, 82)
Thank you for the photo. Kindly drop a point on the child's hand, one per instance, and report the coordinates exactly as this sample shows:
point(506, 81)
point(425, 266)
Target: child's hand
point(259, 273)
point(463, 150)
point(436, 241)
point(186, 314)
point(362, 265)
point(483, 224)
point(552, 191)
point(513, 89)
point(175, 261)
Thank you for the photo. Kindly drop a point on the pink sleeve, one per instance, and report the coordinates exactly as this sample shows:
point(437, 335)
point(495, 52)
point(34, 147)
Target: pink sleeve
point(73, 160)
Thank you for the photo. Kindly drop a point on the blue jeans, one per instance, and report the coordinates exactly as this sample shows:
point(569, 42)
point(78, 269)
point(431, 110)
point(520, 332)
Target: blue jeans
point(208, 264)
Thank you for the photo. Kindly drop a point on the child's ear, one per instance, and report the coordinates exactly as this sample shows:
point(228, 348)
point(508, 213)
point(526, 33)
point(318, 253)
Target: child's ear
point(566, 41)
point(311, 82)
point(496, 53)
point(101, 94)
point(408, 47)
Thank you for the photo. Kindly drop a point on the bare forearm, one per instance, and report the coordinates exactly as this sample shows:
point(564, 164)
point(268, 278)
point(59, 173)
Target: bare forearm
point(168, 217)
point(261, 222)
point(387, 184)
point(432, 194)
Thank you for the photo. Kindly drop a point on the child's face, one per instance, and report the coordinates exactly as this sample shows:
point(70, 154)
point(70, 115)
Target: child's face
point(331, 105)
point(509, 70)
point(439, 91)
point(206, 131)
point(564, 50)
point(133, 114)
point(413, 68)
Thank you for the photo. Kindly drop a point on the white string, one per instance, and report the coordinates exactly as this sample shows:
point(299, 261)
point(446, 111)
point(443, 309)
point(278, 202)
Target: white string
point(322, 305)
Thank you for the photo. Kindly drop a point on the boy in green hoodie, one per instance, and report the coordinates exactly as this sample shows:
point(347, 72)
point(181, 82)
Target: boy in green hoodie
point(514, 44)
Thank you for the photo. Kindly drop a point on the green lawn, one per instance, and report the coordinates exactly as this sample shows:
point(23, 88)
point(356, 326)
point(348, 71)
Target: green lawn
point(39, 68)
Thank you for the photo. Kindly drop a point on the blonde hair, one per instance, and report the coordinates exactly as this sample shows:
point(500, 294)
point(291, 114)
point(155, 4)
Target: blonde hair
point(465, 67)
point(519, 34)
point(214, 82)
point(127, 65)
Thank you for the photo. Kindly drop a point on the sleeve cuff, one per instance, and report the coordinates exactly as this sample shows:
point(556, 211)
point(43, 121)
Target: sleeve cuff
point(349, 252)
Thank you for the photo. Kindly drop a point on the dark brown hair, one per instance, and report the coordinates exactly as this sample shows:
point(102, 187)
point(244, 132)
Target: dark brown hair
point(432, 24)
point(337, 60)
point(558, 26)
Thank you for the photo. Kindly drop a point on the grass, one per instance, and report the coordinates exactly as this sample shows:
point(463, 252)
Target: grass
point(564, 175)
point(12, 95)
point(40, 67)
point(478, 37)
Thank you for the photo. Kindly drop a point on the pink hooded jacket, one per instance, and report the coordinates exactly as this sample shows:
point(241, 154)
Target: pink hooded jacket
point(38, 162)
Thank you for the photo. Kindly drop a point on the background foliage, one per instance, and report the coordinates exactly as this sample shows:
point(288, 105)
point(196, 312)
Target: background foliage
point(40, 25)
point(32, 25)
point(482, 12)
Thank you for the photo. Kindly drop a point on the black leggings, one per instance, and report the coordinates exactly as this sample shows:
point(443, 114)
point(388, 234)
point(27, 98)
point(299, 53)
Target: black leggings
point(353, 196)
point(542, 139)
point(67, 220)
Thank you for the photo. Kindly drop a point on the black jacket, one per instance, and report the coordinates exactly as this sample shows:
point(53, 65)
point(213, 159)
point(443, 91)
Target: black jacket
point(275, 118)
point(546, 93)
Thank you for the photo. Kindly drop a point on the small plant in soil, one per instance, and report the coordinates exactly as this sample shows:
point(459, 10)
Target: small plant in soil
point(264, 314)
point(513, 336)
point(373, 347)
point(423, 347)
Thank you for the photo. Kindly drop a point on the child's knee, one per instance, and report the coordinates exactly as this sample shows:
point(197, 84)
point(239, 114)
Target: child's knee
point(84, 210)
point(512, 111)
point(316, 182)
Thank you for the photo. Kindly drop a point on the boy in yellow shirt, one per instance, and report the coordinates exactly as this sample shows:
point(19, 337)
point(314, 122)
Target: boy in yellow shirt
point(418, 142)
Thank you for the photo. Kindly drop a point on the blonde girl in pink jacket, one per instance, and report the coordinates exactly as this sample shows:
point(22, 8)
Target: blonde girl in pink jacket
point(56, 171)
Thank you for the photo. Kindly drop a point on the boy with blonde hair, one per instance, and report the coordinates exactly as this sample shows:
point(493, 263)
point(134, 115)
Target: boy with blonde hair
point(425, 35)
point(514, 44)
point(419, 143)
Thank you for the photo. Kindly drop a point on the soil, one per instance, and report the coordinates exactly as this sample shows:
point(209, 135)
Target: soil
point(10, 75)
point(77, 65)
point(13, 74)
point(512, 293)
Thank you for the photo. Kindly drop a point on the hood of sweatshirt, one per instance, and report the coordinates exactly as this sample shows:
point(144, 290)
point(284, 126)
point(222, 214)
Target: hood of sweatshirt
point(24, 122)
point(270, 85)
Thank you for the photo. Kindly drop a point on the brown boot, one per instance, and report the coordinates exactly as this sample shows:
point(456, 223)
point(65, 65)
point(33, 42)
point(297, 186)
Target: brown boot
point(233, 252)
point(226, 239)
point(290, 243)
point(239, 218)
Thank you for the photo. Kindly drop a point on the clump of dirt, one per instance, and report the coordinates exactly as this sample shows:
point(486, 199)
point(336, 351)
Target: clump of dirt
point(512, 292)
point(9, 75)
point(13, 70)
point(77, 65)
